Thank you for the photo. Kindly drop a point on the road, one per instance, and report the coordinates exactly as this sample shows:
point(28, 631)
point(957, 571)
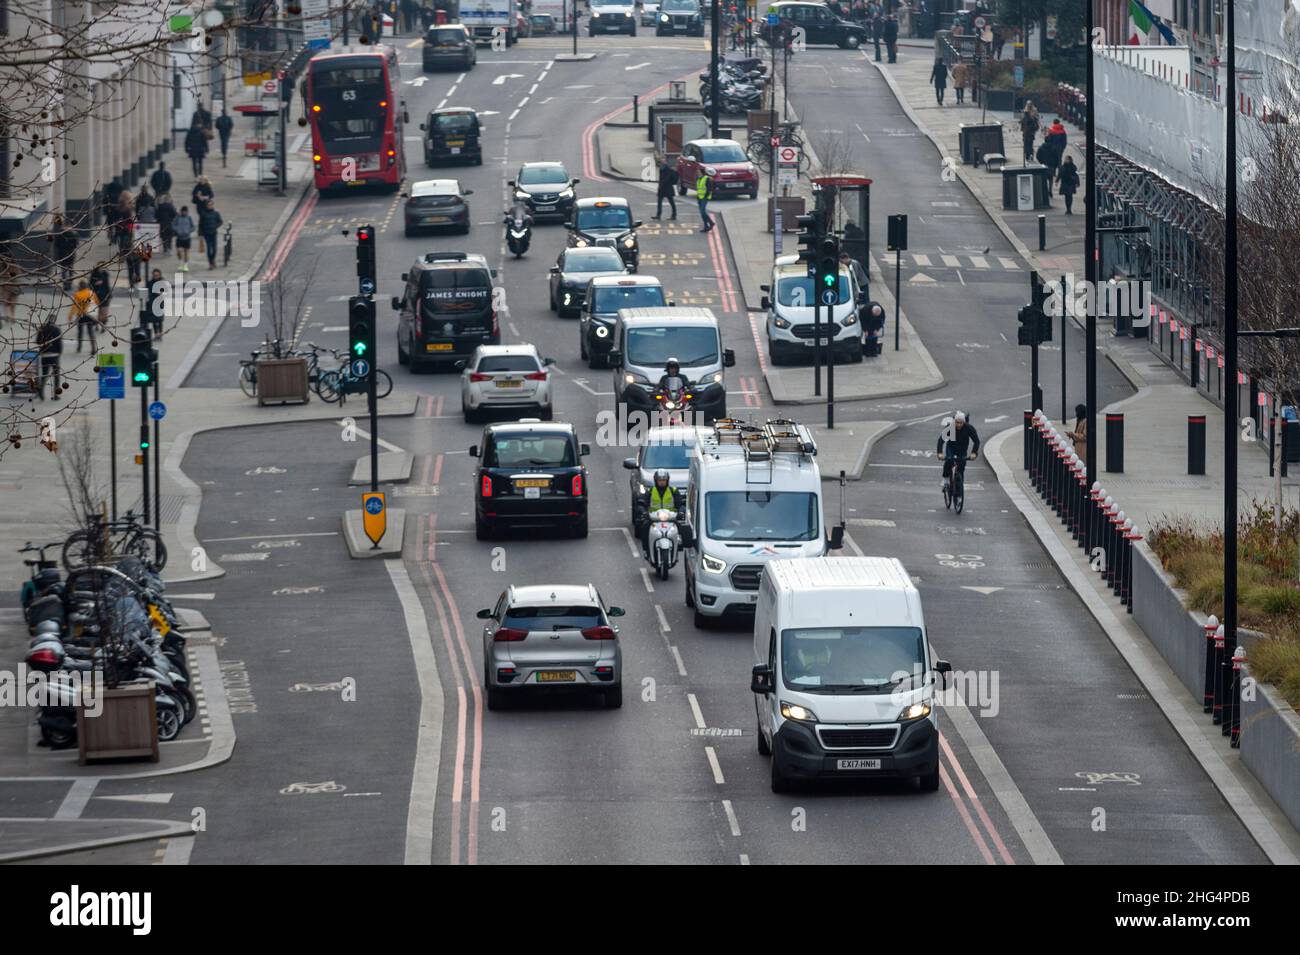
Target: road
point(673, 776)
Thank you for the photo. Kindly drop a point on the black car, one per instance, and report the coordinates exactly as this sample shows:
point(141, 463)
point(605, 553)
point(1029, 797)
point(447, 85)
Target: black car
point(542, 24)
point(605, 220)
point(449, 46)
point(546, 188)
point(573, 270)
point(530, 473)
point(446, 309)
point(818, 23)
point(453, 135)
point(679, 17)
point(436, 204)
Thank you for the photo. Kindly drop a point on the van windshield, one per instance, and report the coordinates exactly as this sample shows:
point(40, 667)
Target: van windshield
point(742, 516)
point(871, 660)
point(690, 345)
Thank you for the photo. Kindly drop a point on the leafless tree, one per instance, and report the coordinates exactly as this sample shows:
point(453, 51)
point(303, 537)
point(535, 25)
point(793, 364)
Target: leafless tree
point(78, 452)
point(283, 298)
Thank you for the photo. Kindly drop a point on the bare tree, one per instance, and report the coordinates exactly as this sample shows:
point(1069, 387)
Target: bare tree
point(283, 298)
point(81, 482)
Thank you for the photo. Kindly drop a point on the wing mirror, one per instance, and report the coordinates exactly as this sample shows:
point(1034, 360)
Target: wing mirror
point(554, 269)
point(630, 464)
point(836, 541)
point(761, 679)
point(584, 449)
point(509, 182)
point(467, 192)
point(473, 450)
point(484, 614)
point(765, 303)
point(765, 288)
point(728, 358)
point(616, 612)
point(422, 127)
point(636, 224)
point(548, 361)
point(943, 668)
point(404, 276)
point(574, 182)
point(614, 357)
point(460, 365)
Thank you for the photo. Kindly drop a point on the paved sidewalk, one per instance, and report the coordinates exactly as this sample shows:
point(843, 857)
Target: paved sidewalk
point(622, 149)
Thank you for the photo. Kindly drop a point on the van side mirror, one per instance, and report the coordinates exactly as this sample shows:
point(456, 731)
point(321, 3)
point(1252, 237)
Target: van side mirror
point(761, 679)
point(616, 612)
point(397, 304)
point(460, 365)
point(574, 182)
point(422, 130)
point(728, 358)
point(548, 361)
point(630, 464)
point(584, 449)
point(509, 182)
point(404, 276)
point(554, 269)
point(943, 668)
point(467, 192)
point(484, 614)
point(687, 535)
point(765, 303)
point(473, 450)
point(636, 224)
point(836, 541)
point(765, 288)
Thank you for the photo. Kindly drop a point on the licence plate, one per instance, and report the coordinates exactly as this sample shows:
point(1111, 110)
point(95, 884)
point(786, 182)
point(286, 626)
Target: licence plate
point(439, 346)
point(824, 341)
point(532, 493)
point(557, 676)
point(430, 220)
point(455, 150)
point(857, 764)
point(455, 142)
point(735, 185)
point(510, 384)
point(533, 482)
point(544, 206)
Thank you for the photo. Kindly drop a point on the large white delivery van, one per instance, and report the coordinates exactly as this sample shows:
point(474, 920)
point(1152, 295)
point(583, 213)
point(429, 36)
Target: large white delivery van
point(843, 677)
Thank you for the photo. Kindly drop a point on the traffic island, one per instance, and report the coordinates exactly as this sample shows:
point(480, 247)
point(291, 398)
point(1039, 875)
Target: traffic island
point(851, 448)
point(360, 546)
point(394, 468)
point(574, 57)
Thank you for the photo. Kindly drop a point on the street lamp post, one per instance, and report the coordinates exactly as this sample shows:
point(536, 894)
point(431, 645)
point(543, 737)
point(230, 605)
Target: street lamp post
point(1090, 253)
point(1224, 682)
point(715, 94)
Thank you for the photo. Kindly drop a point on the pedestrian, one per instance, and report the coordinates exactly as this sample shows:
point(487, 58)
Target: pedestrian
point(1079, 436)
point(161, 180)
point(109, 204)
point(891, 37)
point(84, 313)
point(9, 275)
point(877, 33)
point(166, 213)
point(209, 222)
point(202, 193)
point(1046, 156)
point(153, 307)
point(960, 77)
point(101, 283)
point(1057, 137)
point(183, 227)
point(668, 179)
point(703, 193)
point(1029, 129)
point(1068, 180)
point(999, 41)
point(65, 242)
point(224, 126)
point(143, 200)
point(196, 147)
point(49, 342)
point(201, 117)
point(939, 79)
point(125, 215)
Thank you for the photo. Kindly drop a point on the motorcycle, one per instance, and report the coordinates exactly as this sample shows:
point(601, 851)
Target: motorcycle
point(675, 404)
point(664, 541)
point(519, 231)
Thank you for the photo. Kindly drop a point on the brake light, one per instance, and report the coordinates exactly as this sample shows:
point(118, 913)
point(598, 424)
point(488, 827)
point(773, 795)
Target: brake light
point(536, 376)
point(315, 108)
point(485, 487)
point(599, 633)
point(383, 104)
point(509, 635)
point(479, 376)
point(45, 657)
point(392, 152)
point(576, 487)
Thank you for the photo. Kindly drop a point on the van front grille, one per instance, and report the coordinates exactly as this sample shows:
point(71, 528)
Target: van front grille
point(883, 738)
point(746, 576)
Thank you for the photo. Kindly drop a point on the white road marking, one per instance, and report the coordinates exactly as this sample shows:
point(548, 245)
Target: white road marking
point(731, 818)
point(178, 850)
point(744, 858)
point(1007, 263)
point(152, 798)
point(501, 80)
point(923, 466)
point(382, 443)
point(713, 764)
point(513, 115)
point(663, 620)
point(582, 383)
point(979, 261)
point(631, 544)
point(193, 597)
point(258, 537)
point(532, 89)
point(523, 102)
point(1002, 401)
point(951, 261)
point(681, 665)
point(75, 801)
point(982, 590)
point(695, 711)
point(637, 66)
point(645, 577)
point(921, 259)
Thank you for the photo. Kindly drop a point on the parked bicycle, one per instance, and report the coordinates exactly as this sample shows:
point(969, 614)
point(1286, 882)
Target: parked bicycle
point(102, 540)
point(313, 352)
point(336, 385)
point(248, 366)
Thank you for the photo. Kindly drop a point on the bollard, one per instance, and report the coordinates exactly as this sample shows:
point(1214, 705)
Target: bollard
point(1095, 496)
point(1029, 433)
point(1115, 443)
point(1042, 233)
point(1078, 484)
point(1211, 627)
point(1113, 523)
point(1232, 725)
point(1196, 444)
point(1126, 589)
point(1220, 645)
point(636, 106)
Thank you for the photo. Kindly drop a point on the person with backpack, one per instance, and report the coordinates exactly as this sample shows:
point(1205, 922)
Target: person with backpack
point(668, 179)
point(183, 227)
point(83, 312)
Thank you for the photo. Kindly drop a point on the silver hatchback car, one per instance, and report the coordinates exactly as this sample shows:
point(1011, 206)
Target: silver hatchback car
point(551, 636)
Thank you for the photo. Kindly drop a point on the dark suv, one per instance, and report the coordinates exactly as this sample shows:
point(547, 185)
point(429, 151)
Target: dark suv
point(453, 135)
point(679, 16)
point(605, 221)
point(449, 46)
point(446, 310)
point(530, 472)
point(546, 188)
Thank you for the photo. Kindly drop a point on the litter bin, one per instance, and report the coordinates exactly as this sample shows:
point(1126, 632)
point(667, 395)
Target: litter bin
point(1290, 435)
point(1024, 188)
point(977, 140)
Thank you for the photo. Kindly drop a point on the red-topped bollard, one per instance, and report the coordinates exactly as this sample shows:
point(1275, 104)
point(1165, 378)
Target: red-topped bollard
point(1211, 629)
point(1220, 647)
point(1232, 724)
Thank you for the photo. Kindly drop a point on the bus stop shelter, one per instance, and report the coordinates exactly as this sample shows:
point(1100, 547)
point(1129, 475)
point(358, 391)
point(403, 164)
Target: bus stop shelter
point(847, 200)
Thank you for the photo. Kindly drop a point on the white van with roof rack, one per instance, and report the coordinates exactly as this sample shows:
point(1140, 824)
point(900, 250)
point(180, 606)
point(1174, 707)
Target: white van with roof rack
point(755, 495)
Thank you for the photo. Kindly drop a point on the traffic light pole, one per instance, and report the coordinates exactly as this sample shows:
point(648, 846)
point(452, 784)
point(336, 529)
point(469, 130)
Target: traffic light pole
point(157, 459)
point(715, 94)
point(898, 293)
point(830, 375)
point(144, 451)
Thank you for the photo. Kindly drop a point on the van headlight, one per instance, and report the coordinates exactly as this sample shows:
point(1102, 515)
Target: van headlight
point(793, 711)
point(916, 711)
point(780, 322)
point(717, 377)
point(850, 319)
point(712, 564)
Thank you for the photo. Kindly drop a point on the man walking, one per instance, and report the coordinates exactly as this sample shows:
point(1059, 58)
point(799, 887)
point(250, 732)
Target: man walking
point(891, 37)
point(153, 305)
point(939, 79)
point(668, 179)
point(83, 313)
point(49, 342)
point(196, 147)
point(209, 222)
point(101, 283)
point(224, 126)
point(161, 180)
point(166, 214)
point(183, 226)
point(877, 31)
point(703, 193)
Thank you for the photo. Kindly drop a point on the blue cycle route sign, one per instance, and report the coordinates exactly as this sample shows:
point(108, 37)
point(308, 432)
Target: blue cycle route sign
point(374, 505)
point(157, 410)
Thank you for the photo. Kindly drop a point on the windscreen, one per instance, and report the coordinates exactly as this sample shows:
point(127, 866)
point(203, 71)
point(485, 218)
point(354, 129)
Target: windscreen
point(446, 36)
point(679, 6)
point(543, 176)
point(455, 123)
point(690, 345)
point(870, 660)
point(797, 292)
point(553, 618)
point(611, 298)
point(674, 457)
point(761, 516)
point(530, 451)
point(604, 217)
point(593, 260)
point(730, 152)
point(349, 92)
point(448, 292)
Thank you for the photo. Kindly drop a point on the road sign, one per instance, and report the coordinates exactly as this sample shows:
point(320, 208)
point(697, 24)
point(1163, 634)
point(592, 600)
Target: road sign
point(367, 286)
point(787, 176)
point(112, 376)
point(1018, 76)
point(830, 297)
point(157, 410)
point(979, 23)
point(773, 19)
point(787, 155)
point(361, 368)
point(374, 516)
point(776, 141)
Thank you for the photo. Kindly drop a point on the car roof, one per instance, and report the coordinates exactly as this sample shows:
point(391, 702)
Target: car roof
point(552, 594)
point(606, 280)
point(713, 142)
point(486, 351)
point(673, 434)
point(451, 109)
point(464, 260)
point(611, 200)
point(435, 187)
point(543, 164)
point(537, 427)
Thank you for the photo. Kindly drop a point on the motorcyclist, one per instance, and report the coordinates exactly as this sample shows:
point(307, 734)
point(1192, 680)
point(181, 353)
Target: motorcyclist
point(672, 380)
point(660, 497)
point(519, 213)
point(958, 442)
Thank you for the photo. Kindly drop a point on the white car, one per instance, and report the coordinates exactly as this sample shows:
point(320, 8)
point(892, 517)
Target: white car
point(509, 377)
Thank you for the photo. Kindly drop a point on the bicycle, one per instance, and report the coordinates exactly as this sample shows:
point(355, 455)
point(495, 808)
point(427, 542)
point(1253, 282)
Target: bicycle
point(123, 538)
point(248, 366)
point(954, 492)
point(228, 243)
point(335, 385)
point(314, 373)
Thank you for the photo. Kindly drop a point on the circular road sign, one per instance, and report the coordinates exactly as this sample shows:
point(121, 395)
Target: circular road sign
point(830, 297)
point(157, 410)
point(361, 368)
point(787, 155)
point(367, 286)
point(979, 23)
point(374, 505)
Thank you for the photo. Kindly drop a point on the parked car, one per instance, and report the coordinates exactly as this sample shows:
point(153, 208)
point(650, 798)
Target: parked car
point(734, 174)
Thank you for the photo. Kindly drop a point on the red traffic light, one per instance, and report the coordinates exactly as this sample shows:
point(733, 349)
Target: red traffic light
point(364, 234)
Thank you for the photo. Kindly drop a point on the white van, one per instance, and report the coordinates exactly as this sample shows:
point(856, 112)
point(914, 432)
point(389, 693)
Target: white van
point(788, 301)
point(843, 676)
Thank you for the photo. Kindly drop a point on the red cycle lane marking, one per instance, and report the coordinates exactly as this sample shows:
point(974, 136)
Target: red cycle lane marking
point(458, 782)
point(975, 801)
point(437, 469)
point(290, 237)
point(965, 816)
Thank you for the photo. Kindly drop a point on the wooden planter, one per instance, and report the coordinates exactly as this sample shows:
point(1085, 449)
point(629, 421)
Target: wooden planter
point(791, 206)
point(126, 729)
point(280, 380)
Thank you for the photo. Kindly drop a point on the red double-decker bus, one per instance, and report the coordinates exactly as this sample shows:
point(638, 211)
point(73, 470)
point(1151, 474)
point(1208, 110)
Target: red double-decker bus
point(356, 117)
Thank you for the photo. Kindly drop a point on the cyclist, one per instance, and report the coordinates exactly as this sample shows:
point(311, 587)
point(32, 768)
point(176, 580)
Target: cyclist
point(660, 497)
point(958, 442)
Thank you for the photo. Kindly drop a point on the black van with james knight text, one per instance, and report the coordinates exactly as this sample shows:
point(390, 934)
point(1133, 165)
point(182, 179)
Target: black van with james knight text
point(446, 310)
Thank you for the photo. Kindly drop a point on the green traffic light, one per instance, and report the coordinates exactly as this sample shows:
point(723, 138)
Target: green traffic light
point(830, 280)
point(144, 445)
point(141, 376)
point(359, 347)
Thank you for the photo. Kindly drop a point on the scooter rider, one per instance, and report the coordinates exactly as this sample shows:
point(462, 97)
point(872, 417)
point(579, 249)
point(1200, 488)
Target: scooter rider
point(518, 218)
point(672, 380)
point(661, 497)
point(958, 440)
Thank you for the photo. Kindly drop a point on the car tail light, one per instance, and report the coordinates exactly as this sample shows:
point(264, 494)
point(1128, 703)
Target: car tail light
point(392, 152)
point(577, 485)
point(479, 376)
point(383, 104)
point(509, 635)
point(536, 376)
point(485, 486)
point(599, 633)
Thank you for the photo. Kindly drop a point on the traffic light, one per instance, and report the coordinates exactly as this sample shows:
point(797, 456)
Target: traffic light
point(366, 257)
point(1030, 328)
point(143, 358)
point(828, 269)
point(810, 234)
point(144, 437)
point(361, 329)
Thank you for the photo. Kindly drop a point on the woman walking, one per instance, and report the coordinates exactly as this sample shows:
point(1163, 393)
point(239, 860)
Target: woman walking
point(1068, 181)
point(939, 79)
point(1029, 129)
point(196, 147)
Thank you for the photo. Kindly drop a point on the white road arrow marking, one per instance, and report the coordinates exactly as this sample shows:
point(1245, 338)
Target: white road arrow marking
point(636, 67)
point(920, 278)
point(1000, 417)
point(159, 798)
point(418, 81)
point(937, 401)
point(500, 80)
point(983, 590)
